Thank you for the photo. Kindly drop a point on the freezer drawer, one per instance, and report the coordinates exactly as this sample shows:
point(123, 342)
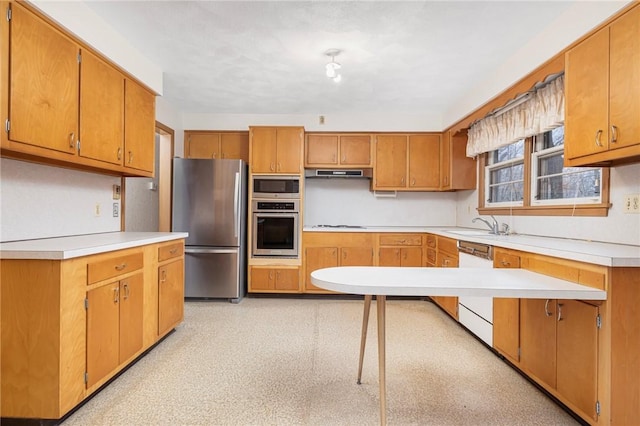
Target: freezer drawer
point(214, 273)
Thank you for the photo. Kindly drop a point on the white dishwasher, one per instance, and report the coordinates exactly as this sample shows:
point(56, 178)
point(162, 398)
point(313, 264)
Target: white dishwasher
point(476, 313)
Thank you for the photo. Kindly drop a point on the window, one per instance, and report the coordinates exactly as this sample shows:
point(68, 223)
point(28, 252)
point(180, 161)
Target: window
point(528, 177)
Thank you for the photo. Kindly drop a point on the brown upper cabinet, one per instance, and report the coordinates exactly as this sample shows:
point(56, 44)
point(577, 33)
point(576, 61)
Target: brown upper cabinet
point(338, 150)
point(276, 149)
point(602, 82)
point(65, 105)
point(406, 162)
point(457, 171)
point(220, 145)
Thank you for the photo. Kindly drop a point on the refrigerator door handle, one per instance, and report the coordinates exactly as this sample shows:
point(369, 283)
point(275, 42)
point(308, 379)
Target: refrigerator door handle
point(208, 250)
point(236, 207)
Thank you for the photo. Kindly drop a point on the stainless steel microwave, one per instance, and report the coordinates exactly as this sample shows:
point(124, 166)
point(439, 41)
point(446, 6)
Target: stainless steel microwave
point(276, 187)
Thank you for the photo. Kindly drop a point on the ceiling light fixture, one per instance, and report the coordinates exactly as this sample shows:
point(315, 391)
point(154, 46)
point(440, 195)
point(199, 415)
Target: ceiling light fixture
point(332, 67)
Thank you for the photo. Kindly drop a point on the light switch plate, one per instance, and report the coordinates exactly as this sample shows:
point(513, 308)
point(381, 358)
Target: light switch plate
point(116, 192)
point(632, 203)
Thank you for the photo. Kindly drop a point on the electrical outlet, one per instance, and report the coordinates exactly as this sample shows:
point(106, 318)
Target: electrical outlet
point(321, 119)
point(116, 192)
point(632, 203)
point(96, 210)
point(116, 210)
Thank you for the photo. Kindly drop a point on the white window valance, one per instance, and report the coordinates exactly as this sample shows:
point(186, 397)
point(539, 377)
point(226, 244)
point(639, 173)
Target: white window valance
point(543, 110)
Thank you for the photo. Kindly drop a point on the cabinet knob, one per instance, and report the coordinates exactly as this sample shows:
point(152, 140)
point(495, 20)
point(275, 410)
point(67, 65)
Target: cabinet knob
point(121, 266)
point(505, 263)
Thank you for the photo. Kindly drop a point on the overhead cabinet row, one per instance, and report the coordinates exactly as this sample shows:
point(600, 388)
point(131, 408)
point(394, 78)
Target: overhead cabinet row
point(65, 105)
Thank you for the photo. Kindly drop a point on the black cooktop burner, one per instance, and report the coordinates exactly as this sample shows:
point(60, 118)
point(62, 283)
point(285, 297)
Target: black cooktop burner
point(338, 226)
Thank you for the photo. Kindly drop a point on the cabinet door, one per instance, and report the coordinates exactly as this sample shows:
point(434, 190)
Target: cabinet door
point(577, 355)
point(101, 110)
point(321, 150)
point(263, 150)
point(289, 150)
point(43, 91)
point(538, 338)
point(356, 256)
point(411, 256)
point(445, 161)
point(391, 162)
point(170, 295)
point(203, 145)
point(355, 150)
point(624, 79)
point(587, 96)
point(424, 162)
point(131, 300)
point(139, 127)
point(506, 313)
point(448, 303)
point(318, 258)
point(234, 146)
point(287, 279)
point(103, 331)
point(389, 256)
point(262, 279)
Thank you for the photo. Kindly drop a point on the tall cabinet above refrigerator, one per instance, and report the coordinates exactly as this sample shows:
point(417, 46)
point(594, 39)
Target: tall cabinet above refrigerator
point(209, 202)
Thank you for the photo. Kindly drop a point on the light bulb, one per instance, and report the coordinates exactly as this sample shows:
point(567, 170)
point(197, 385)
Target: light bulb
point(337, 78)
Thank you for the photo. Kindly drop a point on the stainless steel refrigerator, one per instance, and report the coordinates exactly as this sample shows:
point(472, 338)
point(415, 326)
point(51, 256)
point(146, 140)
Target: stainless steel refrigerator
point(210, 203)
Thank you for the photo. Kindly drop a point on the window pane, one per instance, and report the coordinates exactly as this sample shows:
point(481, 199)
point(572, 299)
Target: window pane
point(509, 173)
point(574, 183)
point(553, 138)
point(551, 165)
point(509, 192)
point(509, 152)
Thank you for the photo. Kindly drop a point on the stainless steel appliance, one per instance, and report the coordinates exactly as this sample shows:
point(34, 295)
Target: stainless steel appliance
point(209, 202)
point(476, 313)
point(275, 228)
point(287, 187)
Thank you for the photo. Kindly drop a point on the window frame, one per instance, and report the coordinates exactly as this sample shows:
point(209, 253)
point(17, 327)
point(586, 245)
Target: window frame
point(547, 209)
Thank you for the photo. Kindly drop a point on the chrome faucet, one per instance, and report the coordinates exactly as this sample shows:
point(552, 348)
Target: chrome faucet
point(494, 228)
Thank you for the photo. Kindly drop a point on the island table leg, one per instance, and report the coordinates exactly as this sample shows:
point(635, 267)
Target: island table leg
point(381, 302)
point(363, 338)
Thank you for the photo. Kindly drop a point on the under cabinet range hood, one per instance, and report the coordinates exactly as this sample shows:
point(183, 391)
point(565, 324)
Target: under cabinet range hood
point(339, 173)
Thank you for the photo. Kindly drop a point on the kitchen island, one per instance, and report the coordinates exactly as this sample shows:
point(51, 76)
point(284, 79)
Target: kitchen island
point(78, 310)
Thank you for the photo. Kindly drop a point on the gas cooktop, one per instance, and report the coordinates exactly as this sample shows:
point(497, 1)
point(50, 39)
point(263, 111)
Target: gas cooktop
point(338, 226)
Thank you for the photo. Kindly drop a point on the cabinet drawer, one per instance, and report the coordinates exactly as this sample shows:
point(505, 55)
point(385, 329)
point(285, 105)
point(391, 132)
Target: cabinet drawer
point(506, 260)
point(447, 244)
point(401, 240)
point(105, 269)
point(169, 251)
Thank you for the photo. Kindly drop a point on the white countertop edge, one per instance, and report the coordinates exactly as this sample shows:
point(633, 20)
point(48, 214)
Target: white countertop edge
point(62, 248)
point(480, 282)
point(593, 252)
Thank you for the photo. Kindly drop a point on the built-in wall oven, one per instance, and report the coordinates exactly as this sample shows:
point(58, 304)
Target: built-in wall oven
point(275, 228)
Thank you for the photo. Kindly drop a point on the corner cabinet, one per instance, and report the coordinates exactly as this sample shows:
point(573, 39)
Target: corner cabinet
point(276, 149)
point(69, 326)
point(602, 85)
point(457, 171)
point(62, 104)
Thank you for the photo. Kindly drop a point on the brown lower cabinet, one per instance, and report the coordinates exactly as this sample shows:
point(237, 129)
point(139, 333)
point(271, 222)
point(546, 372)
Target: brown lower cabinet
point(69, 326)
point(285, 279)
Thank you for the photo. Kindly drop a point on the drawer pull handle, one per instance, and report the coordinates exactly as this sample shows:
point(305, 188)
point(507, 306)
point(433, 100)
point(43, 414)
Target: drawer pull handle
point(560, 312)
point(505, 263)
point(126, 291)
point(614, 134)
point(163, 276)
point(173, 251)
point(121, 267)
point(116, 294)
point(119, 153)
point(72, 137)
point(598, 134)
point(546, 308)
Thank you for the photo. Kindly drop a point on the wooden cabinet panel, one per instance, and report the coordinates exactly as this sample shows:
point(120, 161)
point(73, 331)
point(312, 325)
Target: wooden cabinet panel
point(506, 312)
point(424, 162)
point(289, 150)
point(235, 146)
point(131, 310)
point(318, 258)
point(139, 130)
point(356, 256)
point(170, 251)
point(44, 85)
point(411, 256)
point(170, 295)
point(321, 150)
point(102, 331)
point(202, 145)
point(280, 279)
point(287, 279)
point(101, 110)
point(261, 278)
point(391, 162)
point(400, 240)
point(538, 339)
point(389, 256)
point(577, 355)
point(449, 304)
point(355, 150)
point(263, 149)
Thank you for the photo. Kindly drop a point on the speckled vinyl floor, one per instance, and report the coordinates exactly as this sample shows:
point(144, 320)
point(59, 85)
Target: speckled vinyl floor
point(294, 362)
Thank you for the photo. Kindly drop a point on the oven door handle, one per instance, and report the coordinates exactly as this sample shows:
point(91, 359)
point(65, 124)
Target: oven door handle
point(210, 251)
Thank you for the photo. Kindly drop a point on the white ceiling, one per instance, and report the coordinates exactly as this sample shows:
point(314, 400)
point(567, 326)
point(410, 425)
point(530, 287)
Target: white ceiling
point(267, 57)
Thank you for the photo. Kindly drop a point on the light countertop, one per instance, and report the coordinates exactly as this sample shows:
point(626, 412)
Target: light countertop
point(61, 248)
point(598, 253)
point(477, 282)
